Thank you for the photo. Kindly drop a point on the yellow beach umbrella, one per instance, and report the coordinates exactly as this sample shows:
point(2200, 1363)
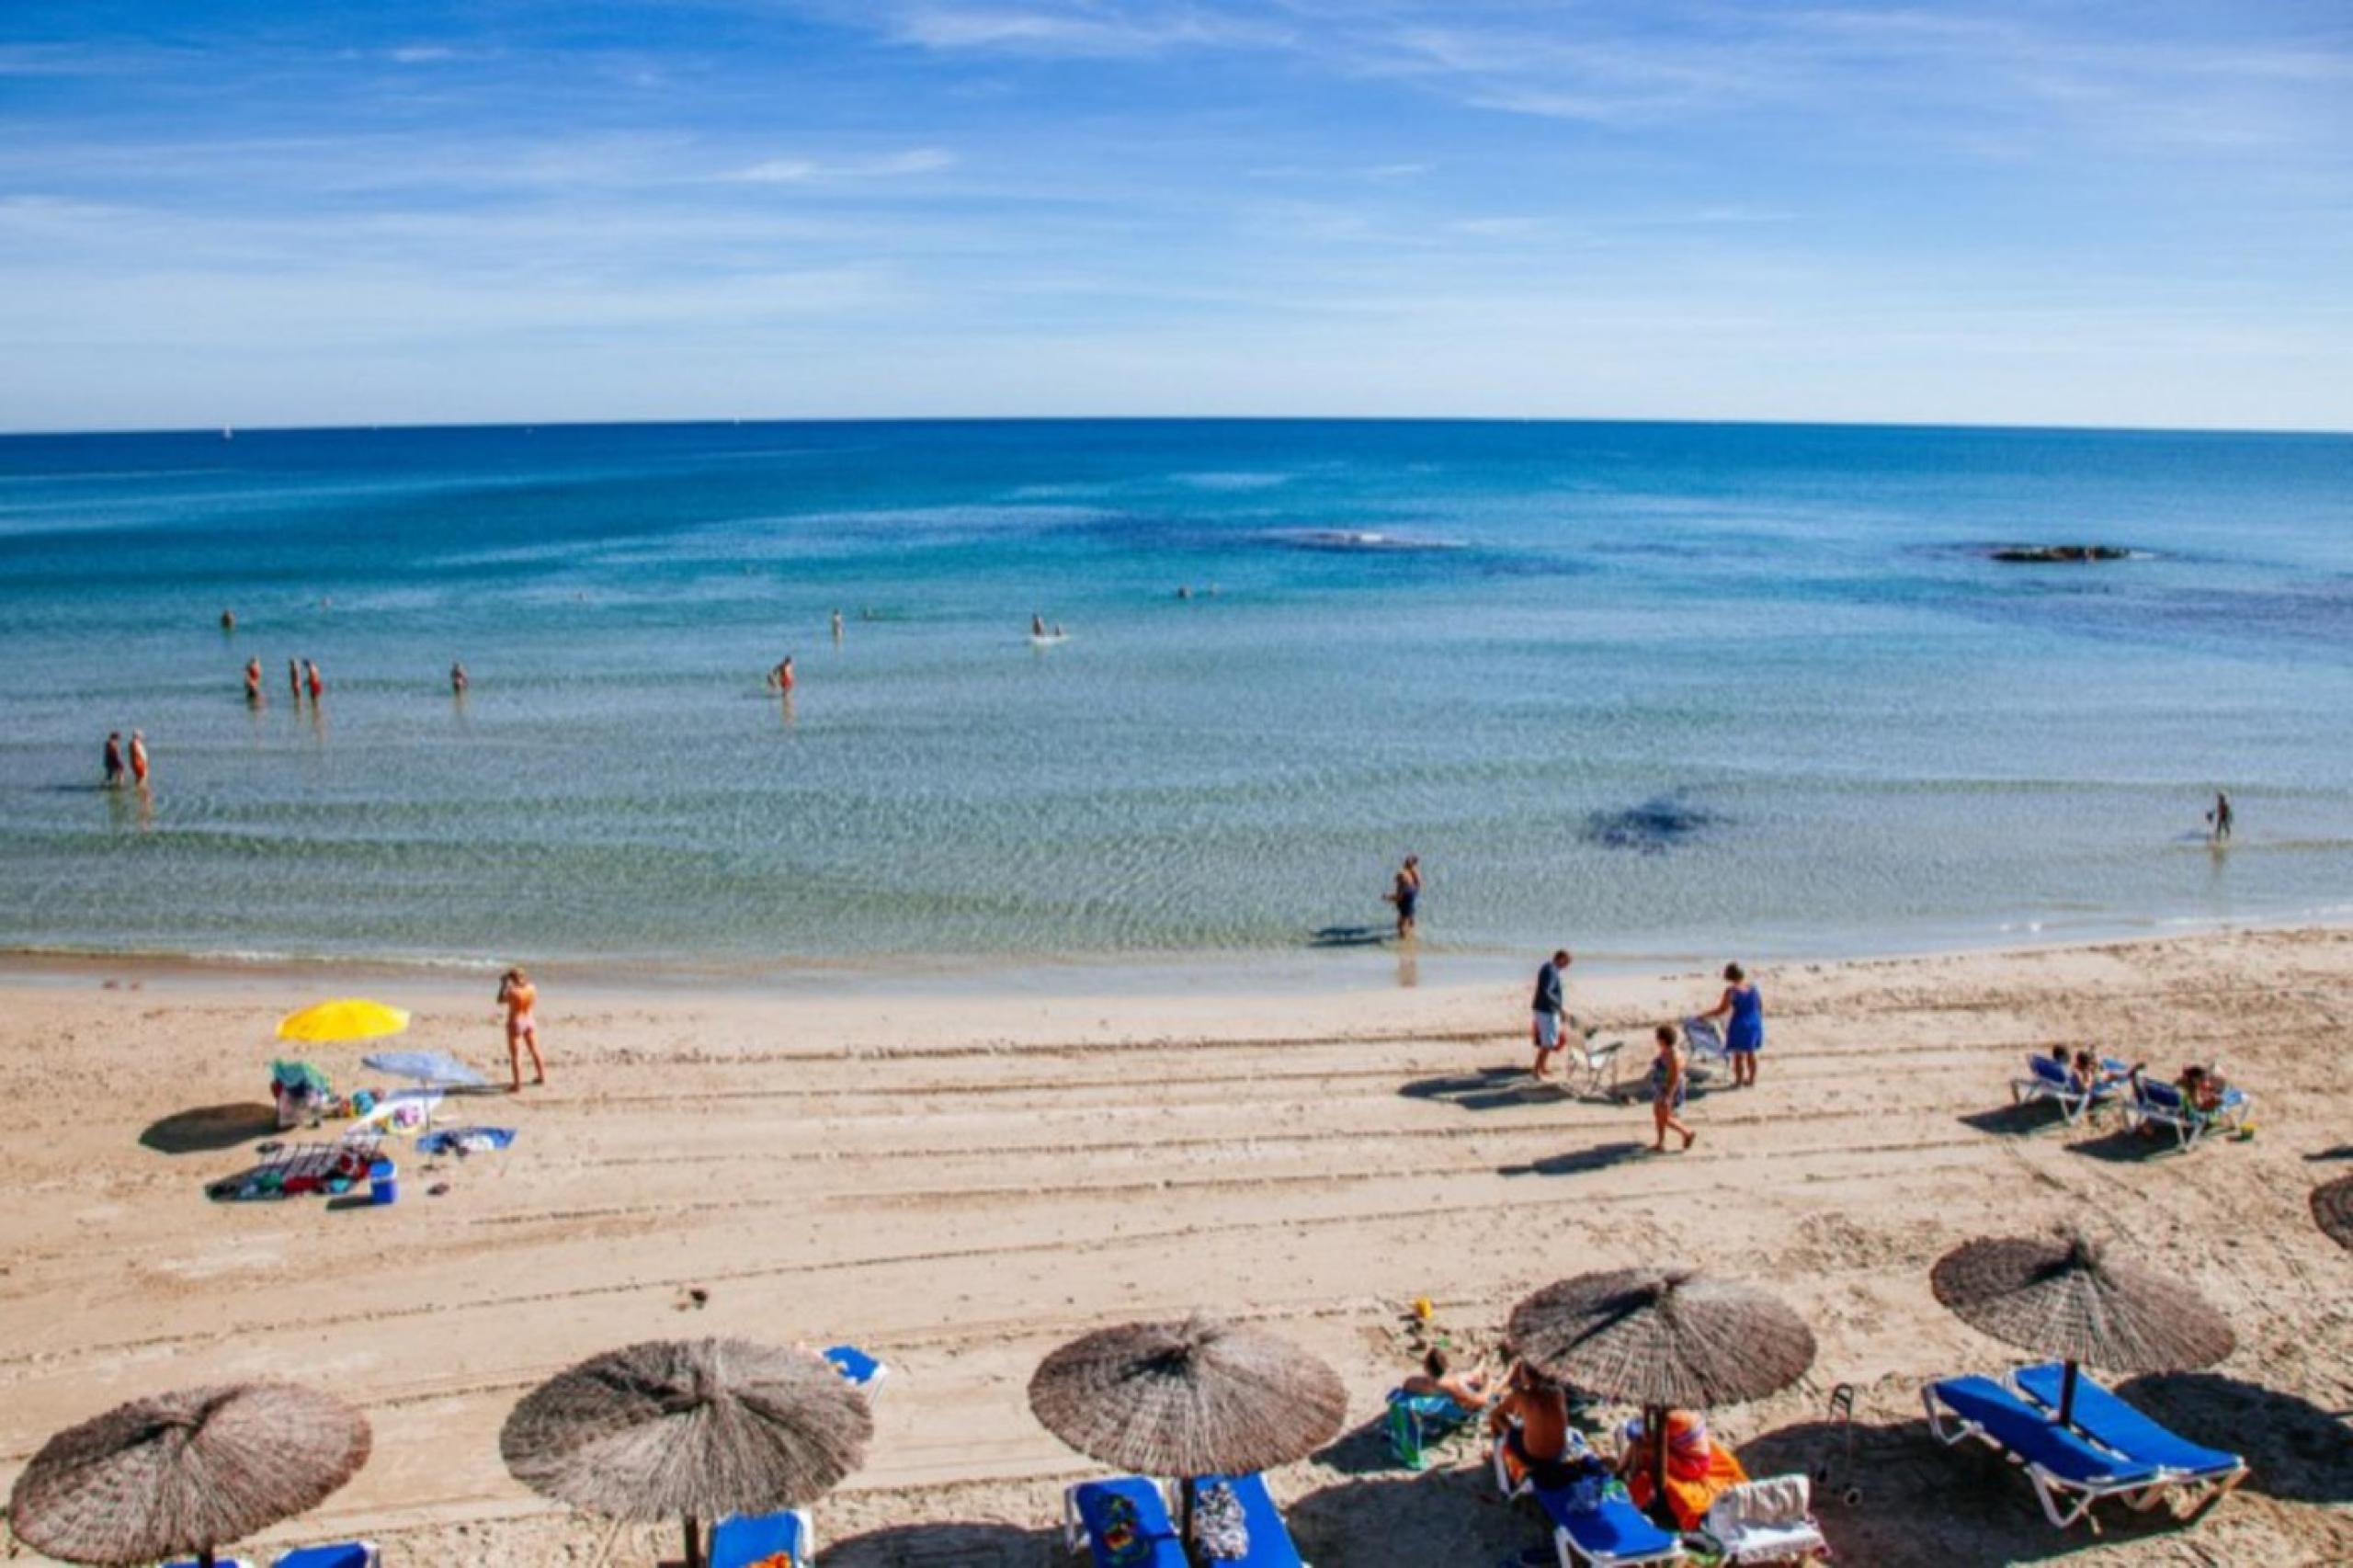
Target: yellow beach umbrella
point(346, 1018)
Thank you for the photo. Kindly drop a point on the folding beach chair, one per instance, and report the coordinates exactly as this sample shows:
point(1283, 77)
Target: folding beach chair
point(1703, 1045)
point(2069, 1473)
point(1614, 1534)
point(342, 1555)
point(2202, 1472)
point(786, 1539)
point(1271, 1542)
point(2048, 1079)
point(1417, 1423)
point(1122, 1523)
point(1766, 1521)
point(1590, 1070)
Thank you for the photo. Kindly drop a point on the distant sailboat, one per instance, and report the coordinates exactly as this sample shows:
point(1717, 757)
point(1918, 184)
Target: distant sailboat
point(227, 434)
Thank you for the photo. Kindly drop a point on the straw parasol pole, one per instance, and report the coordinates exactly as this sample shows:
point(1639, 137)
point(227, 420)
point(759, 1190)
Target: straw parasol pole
point(185, 1473)
point(1202, 1396)
point(1662, 1338)
point(693, 1430)
point(2066, 1297)
point(2333, 1209)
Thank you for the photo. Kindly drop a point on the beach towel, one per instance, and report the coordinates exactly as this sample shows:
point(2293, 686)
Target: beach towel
point(464, 1141)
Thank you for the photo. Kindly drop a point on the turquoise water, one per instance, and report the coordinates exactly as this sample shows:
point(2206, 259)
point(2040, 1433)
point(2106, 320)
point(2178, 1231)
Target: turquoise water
point(1650, 688)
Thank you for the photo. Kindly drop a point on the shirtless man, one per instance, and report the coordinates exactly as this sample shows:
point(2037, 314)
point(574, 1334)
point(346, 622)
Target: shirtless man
point(114, 759)
point(517, 993)
point(253, 682)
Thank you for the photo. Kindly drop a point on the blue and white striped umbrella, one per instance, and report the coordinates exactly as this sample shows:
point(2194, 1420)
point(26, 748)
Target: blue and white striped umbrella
point(433, 1069)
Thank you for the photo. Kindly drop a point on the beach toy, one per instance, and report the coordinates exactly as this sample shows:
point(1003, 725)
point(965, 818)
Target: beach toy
point(383, 1182)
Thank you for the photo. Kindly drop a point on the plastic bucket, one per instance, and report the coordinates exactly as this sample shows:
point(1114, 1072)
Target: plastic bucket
point(383, 1182)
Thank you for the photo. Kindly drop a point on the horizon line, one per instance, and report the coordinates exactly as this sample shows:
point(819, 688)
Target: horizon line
point(404, 428)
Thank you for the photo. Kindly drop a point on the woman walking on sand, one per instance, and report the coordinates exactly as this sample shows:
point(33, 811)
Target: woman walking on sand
point(1667, 1084)
point(519, 996)
point(1743, 1011)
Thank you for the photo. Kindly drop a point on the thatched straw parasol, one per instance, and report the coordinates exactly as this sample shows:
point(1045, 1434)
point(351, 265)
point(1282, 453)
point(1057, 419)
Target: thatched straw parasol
point(1662, 1338)
point(1199, 1397)
point(697, 1430)
point(186, 1474)
point(2066, 1297)
point(2333, 1206)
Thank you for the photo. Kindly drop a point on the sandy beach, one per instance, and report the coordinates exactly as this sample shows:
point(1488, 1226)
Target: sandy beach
point(960, 1182)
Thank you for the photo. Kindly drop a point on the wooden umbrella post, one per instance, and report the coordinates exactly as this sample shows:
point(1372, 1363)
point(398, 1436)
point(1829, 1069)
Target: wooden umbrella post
point(694, 1543)
point(1185, 1515)
point(1655, 1428)
point(2067, 1396)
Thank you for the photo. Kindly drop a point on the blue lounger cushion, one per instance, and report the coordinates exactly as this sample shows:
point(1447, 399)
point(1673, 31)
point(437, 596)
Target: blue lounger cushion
point(2108, 1420)
point(1156, 1544)
point(1617, 1531)
point(750, 1541)
point(1271, 1542)
point(343, 1554)
point(2031, 1435)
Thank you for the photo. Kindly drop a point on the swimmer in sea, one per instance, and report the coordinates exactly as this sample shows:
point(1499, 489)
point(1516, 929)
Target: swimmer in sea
point(114, 760)
point(781, 677)
point(253, 682)
point(311, 679)
point(228, 621)
point(139, 759)
point(1037, 625)
point(837, 625)
point(2220, 818)
point(519, 996)
point(294, 680)
point(458, 679)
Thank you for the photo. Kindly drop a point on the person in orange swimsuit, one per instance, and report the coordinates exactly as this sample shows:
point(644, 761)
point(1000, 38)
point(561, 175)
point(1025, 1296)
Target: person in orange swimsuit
point(253, 682)
point(311, 679)
point(1698, 1468)
point(139, 759)
point(519, 996)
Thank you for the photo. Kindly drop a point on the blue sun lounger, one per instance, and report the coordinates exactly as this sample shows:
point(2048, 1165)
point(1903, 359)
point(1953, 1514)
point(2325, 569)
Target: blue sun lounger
point(1271, 1542)
point(2162, 1105)
point(2107, 1420)
point(343, 1554)
point(1092, 1510)
point(2048, 1079)
point(863, 1372)
point(1614, 1535)
point(2069, 1473)
point(785, 1539)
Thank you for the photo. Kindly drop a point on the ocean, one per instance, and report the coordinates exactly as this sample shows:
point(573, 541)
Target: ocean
point(1652, 691)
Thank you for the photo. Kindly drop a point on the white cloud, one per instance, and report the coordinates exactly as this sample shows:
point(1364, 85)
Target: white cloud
point(1084, 30)
point(813, 170)
point(423, 54)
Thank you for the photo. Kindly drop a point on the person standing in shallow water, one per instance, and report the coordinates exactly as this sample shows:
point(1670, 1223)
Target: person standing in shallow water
point(294, 679)
point(311, 679)
point(114, 759)
point(253, 681)
point(458, 680)
point(1743, 1010)
point(2221, 817)
point(1407, 896)
point(139, 758)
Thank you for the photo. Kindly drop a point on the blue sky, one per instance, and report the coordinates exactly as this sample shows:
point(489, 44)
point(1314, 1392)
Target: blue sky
point(2086, 211)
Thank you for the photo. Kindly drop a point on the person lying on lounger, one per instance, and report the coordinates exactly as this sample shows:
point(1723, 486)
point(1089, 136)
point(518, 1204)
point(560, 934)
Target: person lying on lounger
point(1472, 1391)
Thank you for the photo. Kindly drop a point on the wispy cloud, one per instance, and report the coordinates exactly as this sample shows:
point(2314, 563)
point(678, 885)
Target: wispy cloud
point(422, 54)
point(1085, 29)
point(814, 171)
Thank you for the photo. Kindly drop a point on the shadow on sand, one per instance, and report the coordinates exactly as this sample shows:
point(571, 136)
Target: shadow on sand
point(952, 1545)
point(1489, 1088)
point(2123, 1146)
point(210, 1128)
point(2295, 1450)
point(1579, 1162)
point(1449, 1516)
point(2016, 1120)
point(1907, 1489)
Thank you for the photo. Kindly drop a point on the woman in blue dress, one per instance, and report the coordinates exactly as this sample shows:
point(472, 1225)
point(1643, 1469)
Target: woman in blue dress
point(1743, 1011)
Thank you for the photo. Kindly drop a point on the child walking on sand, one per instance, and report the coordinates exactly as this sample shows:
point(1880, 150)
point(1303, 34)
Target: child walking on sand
point(1667, 1083)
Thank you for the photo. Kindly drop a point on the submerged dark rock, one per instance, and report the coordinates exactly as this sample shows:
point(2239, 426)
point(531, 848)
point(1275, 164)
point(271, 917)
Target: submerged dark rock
point(2052, 554)
point(1652, 827)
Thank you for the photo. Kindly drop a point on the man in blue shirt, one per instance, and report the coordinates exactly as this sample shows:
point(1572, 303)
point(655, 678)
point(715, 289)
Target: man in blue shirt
point(1548, 1007)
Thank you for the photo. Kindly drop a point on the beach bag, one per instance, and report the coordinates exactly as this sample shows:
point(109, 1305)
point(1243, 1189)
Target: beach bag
point(1418, 1423)
point(1219, 1527)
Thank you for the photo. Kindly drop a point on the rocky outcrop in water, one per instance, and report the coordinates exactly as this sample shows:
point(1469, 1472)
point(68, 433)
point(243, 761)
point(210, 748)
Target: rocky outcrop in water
point(2052, 554)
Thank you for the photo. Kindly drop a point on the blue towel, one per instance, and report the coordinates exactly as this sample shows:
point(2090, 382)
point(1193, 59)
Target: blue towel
point(853, 1364)
point(750, 1542)
point(2108, 1420)
point(345, 1554)
point(1154, 1543)
point(465, 1139)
